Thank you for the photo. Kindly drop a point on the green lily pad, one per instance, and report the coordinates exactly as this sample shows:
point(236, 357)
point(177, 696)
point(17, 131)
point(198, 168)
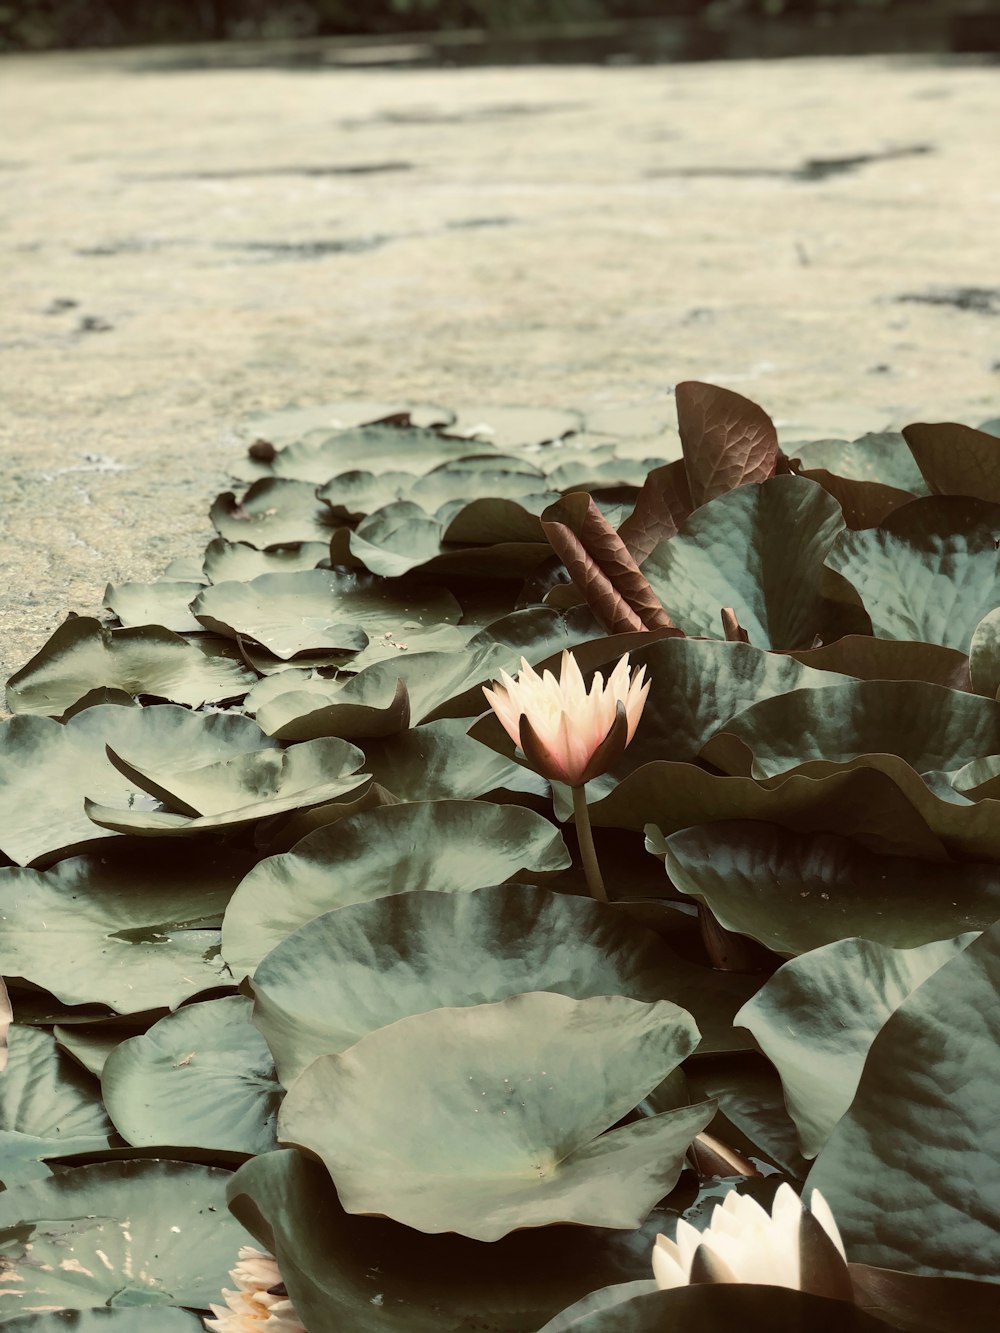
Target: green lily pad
point(201, 1077)
point(984, 655)
point(514, 427)
point(817, 1017)
point(352, 495)
point(867, 658)
point(384, 699)
point(166, 603)
point(509, 1133)
point(736, 552)
point(237, 791)
point(860, 802)
point(711, 1308)
point(348, 972)
point(440, 761)
point(752, 1115)
point(90, 1044)
point(132, 1233)
point(931, 728)
point(82, 655)
point(697, 685)
point(133, 931)
point(918, 1304)
point(449, 846)
point(797, 891)
point(922, 1130)
point(238, 562)
point(48, 1107)
point(323, 454)
point(928, 572)
point(274, 512)
point(318, 609)
point(883, 458)
point(503, 541)
point(371, 1275)
point(48, 768)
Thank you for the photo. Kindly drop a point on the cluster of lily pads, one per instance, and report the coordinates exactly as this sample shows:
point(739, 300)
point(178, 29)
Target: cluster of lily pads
point(299, 951)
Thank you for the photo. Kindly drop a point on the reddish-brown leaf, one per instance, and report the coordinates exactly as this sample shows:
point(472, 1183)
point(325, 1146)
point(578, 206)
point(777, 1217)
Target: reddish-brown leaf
point(731, 627)
point(728, 440)
point(601, 566)
point(955, 459)
point(865, 503)
point(661, 506)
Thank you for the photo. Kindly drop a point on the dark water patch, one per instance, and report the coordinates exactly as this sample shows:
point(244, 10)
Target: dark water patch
point(981, 300)
point(128, 245)
point(298, 250)
point(241, 173)
point(470, 116)
point(813, 169)
point(474, 224)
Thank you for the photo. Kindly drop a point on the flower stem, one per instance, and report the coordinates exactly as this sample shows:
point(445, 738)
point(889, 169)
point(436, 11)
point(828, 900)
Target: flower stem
point(588, 853)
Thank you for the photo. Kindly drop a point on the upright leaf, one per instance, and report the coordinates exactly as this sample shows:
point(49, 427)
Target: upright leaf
point(728, 440)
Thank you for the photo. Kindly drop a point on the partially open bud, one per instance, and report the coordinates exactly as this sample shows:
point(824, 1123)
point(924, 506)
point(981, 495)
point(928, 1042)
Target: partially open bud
point(260, 1303)
point(791, 1247)
point(565, 732)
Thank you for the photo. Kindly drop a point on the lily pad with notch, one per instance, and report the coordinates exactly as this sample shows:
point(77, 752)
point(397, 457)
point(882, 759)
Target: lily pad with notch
point(316, 610)
point(83, 655)
point(201, 1077)
point(512, 1130)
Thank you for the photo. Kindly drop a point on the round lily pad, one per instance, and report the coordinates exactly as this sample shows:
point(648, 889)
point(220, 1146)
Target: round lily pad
point(509, 1131)
point(201, 1077)
point(445, 845)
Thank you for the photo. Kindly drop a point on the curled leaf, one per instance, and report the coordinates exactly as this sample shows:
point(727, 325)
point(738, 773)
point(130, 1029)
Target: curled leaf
point(601, 566)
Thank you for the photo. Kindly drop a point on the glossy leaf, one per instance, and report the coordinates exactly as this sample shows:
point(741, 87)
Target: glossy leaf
point(275, 511)
point(817, 1017)
point(348, 972)
point(449, 846)
point(82, 656)
point(48, 1107)
point(202, 1076)
point(132, 1233)
point(372, 1275)
point(316, 610)
point(237, 791)
point(922, 1130)
point(511, 1134)
point(797, 891)
point(737, 551)
point(48, 768)
point(928, 572)
point(130, 932)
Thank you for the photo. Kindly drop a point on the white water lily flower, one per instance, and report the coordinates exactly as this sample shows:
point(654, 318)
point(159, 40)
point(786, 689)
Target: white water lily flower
point(259, 1304)
point(565, 732)
point(744, 1244)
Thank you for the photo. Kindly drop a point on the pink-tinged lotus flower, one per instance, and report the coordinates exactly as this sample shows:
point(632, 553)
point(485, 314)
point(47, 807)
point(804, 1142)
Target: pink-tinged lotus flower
point(565, 732)
point(259, 1304)
point(791, 1247)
